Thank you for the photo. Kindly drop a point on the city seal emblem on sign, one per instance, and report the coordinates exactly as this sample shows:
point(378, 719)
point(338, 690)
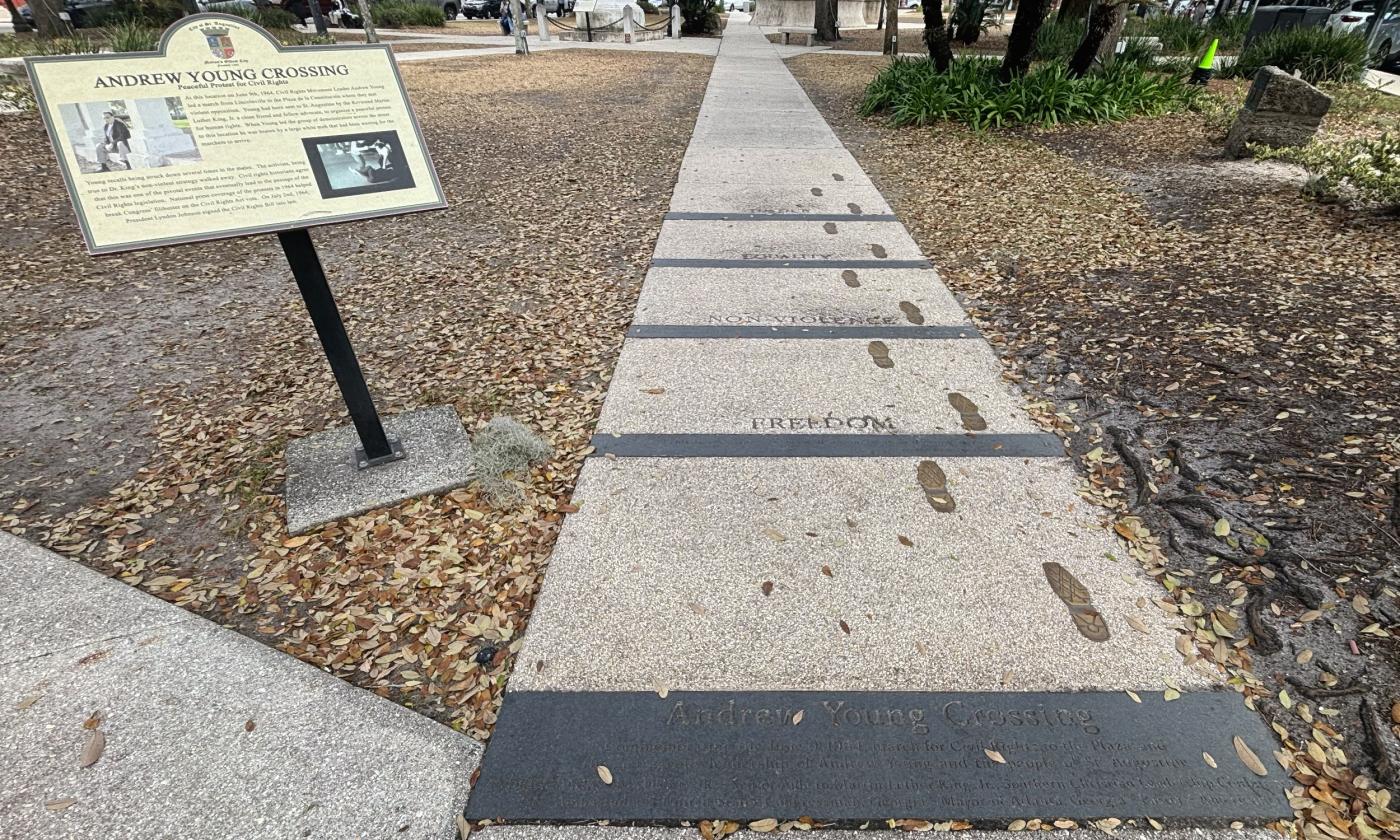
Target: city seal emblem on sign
point(219, 42)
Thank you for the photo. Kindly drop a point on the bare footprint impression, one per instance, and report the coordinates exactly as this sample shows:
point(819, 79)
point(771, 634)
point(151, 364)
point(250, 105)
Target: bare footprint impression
point(854, 208)
point(816, 191)
point(851, 278)
point(935, 486)
point(911, 312)
point(878, 251)
point(829, 227)
point(881, 354)
point(1076, 596)
point(971, 419)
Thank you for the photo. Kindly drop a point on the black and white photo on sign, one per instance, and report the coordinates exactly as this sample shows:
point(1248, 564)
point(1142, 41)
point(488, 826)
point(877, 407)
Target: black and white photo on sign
point(354, 164)
point(117, 135)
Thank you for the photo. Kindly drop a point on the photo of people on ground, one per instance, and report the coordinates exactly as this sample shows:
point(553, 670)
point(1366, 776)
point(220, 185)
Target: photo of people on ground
point(119, 135)
point(354, 164)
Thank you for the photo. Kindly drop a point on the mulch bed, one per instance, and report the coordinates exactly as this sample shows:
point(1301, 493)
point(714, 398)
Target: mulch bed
point(1221, 355)
point(147, 397)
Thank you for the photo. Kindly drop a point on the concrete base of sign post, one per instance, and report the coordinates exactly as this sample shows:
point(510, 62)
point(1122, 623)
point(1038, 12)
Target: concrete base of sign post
point(323, 483)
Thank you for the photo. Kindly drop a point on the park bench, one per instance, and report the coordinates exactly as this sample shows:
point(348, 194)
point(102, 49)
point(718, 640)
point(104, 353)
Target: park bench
point(789, 31)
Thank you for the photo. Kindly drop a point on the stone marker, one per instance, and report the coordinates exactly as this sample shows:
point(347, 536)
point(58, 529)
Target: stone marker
point(982, 756)
point(1281, 110)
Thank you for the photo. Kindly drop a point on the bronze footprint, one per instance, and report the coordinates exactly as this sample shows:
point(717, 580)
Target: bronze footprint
point(881, 354)
point(816, 190)
point(851, 279)
point(911, 312)
point(935, 486)
point(1075, 595)
point(971, 419)
point(878, 251)
point(838, 176)
point(854, 208)
point(829, 227)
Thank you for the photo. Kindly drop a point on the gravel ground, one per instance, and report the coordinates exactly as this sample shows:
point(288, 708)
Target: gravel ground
point(145, 399)
point(1220, 354)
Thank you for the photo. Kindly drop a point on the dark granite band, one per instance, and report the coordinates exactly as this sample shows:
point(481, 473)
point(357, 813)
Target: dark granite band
point(780, 217)
point(863, 331)
point(821, 445)
point(689, 263)
point(851, 756)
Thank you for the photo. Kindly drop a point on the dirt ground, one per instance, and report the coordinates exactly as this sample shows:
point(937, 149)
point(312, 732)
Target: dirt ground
point(145, 399)
point(1221, 355)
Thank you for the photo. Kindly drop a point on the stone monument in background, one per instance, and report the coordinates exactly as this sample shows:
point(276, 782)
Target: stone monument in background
point(850, 14)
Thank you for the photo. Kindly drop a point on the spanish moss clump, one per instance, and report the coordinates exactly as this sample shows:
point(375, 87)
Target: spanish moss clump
point(502, 447)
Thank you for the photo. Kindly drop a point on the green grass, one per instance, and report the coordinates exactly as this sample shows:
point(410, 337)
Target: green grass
point(913, 92)
point(1182, 36)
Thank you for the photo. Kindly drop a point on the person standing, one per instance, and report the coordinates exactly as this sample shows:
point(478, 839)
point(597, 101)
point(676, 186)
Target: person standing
point(116, 142)
point(507, 21)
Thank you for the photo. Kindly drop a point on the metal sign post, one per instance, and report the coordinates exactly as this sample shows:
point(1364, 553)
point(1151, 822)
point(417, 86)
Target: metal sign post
point(375, 446)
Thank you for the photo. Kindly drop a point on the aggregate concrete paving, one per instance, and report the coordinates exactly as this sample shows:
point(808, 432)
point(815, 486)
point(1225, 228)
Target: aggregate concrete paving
point(323, 483)
point(705, 557)
point(749, 240)
point(207, 733)
point(694, 385)
point(717, 296)
point(658, 580)
point(778, 198)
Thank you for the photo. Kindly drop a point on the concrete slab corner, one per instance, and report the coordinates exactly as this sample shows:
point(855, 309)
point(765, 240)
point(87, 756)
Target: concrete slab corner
point(323, 483)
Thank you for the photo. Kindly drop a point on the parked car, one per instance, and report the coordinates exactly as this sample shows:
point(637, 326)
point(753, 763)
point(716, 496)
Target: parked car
point(1354, 16)
point(481, 8)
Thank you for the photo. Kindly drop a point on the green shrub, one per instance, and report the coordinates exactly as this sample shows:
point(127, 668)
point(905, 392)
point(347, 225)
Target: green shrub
point(968, 20)
point(295, 38)
point(913, 92)
point(700, 17)
point(397, 14)
point(131, 36)
point(647, 7)
point(1365, 170)
point(1318, 55)
point(14, 47)
point(1058, 39)
point(1178, 34)
point(1230, 29)
point(1137, 51)
point(268, 17)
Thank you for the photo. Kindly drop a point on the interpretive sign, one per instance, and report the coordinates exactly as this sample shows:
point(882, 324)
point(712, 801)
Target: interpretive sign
point(855, 756)
point(224, 132)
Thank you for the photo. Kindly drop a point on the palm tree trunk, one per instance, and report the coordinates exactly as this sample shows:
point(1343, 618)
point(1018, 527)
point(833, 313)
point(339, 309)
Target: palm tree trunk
point(892, 27)
point(936, 35)
point(1102, 20)
point(1029, 18)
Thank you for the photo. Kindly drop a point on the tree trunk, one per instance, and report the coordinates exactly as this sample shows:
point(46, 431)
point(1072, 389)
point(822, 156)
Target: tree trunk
point(46, 19)
point(317, 17)
point(936, 36)
point(825, 22)
point(892, 27)
point(1021, 44)
point(18, 22)
point(1101, 21)
point(1073, 9)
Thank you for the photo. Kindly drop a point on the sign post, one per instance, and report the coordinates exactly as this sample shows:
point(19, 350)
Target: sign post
point(223, 132)
point(375, 446)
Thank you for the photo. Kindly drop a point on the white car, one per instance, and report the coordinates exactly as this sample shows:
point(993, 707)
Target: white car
point(1354, 16)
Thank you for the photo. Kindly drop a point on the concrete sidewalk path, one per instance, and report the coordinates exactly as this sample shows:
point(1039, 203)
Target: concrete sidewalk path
point(810, 476)
point(207, 733)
